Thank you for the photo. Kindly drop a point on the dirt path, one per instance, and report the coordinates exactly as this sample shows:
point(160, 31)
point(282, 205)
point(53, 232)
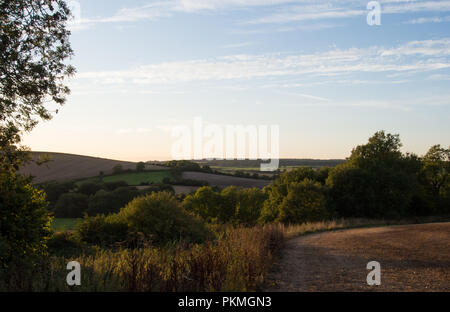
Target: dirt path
point(412, 258)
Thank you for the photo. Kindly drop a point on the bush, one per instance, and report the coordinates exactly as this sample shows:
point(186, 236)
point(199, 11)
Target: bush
point(71, 205)
point(161, 216)
point(90, 188)
point(157, 217)
point(100, 231)
point(118, 169)
point(140, 166)
point(111, 186)
point(231, 205)
point(110, 202)
point(67, 244)
point(24, 223)
point(305, 202)
point(55, 189)
point(206, 203)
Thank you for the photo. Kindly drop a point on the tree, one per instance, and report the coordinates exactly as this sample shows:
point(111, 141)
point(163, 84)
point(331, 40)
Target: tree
point(90, 188)
point(140, 166)
point(249, 206)
point(34, 49)
point(376, 181)
point(306, 202)
point(278, 189)
point(118, 169)
point(160, 216)
point(24, 223)
point(33, 52)
point(205, 202)
point(71, 205)
point(435, 178)
point(436, 169)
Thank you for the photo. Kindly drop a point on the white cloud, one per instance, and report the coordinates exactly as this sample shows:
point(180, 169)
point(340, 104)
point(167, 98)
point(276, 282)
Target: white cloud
point(422, 20)
point(285, 10)
point(237, 45)
point(418, 56)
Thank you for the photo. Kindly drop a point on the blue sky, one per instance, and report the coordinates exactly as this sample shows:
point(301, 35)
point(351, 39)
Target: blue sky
point(315, 68)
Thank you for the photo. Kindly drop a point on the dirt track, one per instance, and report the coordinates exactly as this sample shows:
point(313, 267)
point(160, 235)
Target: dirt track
point(412, 258)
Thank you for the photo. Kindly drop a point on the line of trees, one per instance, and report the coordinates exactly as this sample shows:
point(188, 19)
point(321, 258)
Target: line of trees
point(376, 181)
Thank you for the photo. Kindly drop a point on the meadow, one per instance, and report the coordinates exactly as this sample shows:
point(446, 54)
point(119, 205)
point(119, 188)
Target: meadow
point(63, 224)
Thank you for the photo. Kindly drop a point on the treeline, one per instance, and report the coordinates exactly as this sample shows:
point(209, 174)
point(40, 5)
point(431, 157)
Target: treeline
point(376, 181)
point(69, 200)
point(177, 168)
point(246, 163)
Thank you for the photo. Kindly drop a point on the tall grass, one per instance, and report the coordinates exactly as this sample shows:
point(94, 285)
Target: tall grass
point(238, 260)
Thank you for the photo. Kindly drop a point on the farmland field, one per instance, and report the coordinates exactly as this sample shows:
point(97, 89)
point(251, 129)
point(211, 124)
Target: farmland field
point(71, 167)
point(61, 224)
point(412, 258)
point(137, 178)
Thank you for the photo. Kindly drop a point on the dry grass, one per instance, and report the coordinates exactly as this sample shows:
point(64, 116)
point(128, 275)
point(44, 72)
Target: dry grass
point(237, 261)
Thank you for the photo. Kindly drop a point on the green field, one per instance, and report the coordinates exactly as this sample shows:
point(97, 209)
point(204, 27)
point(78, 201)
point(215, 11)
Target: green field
point(137, 178)
point(59, 224)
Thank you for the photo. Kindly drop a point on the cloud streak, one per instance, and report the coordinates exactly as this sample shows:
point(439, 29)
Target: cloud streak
point(286, 11)
point(414, 56)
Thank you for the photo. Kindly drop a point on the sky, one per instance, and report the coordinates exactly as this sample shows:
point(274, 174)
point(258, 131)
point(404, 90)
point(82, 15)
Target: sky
point(316, 69)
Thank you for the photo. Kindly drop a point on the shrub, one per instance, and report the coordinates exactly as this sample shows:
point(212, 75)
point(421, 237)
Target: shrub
point(118, 169)
point(24, 223)
point(305, 202)
point(104, 202)
point(67, 244)
point(71, 205)
point(249, 206)
point(98, 230)
point(206, 203)
point(140, 166)
point(54, 190)
point(161, 216)
point(111, 186)
point(90, 188)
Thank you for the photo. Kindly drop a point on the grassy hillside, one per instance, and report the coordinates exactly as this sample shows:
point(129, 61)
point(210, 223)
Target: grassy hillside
point(70, 167)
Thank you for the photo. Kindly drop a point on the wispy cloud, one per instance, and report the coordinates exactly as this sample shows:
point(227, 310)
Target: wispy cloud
point(286, 11)
point(423, 20)
point(238, 45)
point(414, 56)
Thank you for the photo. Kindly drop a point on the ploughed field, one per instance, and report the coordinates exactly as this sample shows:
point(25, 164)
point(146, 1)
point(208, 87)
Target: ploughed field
point(71, 167)
point(412, 258)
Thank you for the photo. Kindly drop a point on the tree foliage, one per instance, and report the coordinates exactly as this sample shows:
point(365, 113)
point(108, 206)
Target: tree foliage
point(34, 47)
point(377, 181)
point(24, 222)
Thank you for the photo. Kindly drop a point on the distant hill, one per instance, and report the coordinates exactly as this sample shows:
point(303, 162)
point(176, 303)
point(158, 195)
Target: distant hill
point(70, 167)
point(317, 163)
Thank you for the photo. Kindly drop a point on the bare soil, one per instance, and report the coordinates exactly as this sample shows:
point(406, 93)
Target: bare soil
point(412, 258)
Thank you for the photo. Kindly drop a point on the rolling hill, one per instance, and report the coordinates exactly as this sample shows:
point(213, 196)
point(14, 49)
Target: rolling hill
point(70, 167)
